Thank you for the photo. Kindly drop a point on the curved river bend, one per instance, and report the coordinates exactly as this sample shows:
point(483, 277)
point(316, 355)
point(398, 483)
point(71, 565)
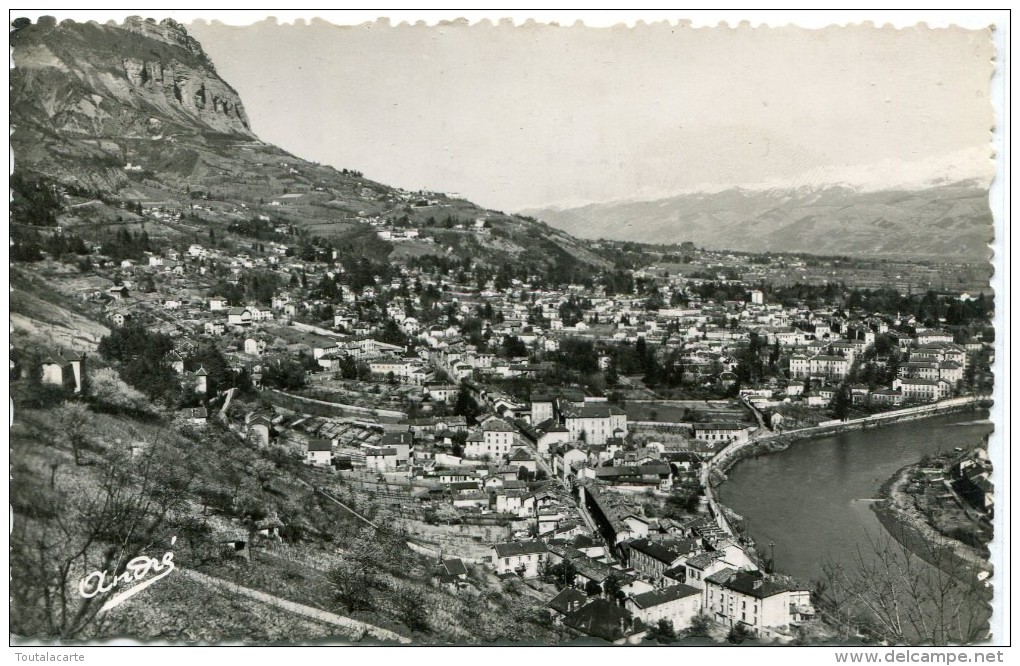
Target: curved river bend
point(807, 500)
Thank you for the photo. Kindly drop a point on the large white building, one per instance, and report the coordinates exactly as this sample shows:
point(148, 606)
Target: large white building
point(830, 366)
point(825, 365)
point(406, 371)
point(496, 440)
point(541, 408)
point(499, 437)
point(720, 432)
point(923, 390)
point(759, 603)
point(800, 366)
point(940, 351)
point(676, 603)
point(594, 423)
point(932, 335)
point(526, 556)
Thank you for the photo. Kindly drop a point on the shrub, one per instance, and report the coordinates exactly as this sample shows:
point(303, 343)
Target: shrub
point(412, 608)
point(738, 634)
point(662, 632)
point(108, 388)
point(699, 625)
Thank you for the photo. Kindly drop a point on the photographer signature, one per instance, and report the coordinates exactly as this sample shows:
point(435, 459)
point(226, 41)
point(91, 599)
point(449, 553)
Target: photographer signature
point(101, 582)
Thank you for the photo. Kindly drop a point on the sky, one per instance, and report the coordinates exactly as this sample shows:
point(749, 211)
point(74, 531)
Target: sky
point(538, 115)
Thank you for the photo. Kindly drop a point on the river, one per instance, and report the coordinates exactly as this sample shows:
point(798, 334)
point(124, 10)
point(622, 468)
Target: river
point(811, 500)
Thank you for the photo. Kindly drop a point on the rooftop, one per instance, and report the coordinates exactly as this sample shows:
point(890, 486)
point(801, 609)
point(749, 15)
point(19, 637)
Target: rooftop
point(454, 566)
point(604, 619)
point(655, 550)
point(567, 596)
point(753, 583)
point(520, 548)
point(664, 595)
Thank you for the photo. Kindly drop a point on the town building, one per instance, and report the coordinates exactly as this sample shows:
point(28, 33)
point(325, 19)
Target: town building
point(319, 452)
point(522, 557)
point(678, 604)
point(762, 604)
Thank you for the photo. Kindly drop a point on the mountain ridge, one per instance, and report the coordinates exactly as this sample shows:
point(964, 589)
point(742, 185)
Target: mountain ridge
point(804, 188)
point(948, 220)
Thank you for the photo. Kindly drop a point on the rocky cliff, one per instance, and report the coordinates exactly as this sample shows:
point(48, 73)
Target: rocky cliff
point(137, 79)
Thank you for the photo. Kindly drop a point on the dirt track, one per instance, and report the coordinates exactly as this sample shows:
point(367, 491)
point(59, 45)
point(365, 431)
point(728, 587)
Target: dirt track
point(355, 627)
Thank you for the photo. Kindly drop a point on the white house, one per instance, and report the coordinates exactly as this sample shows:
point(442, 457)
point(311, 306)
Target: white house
point(929, 336)
point(319, 452)
point(566, 458)
point(594, 423)
point(497, 439)
point(720, 432)
point(676, 603)
point(195, 415)
point(380, 458)
point(523, 556)
point(923, 390)
point(522, 458)
point(700, 567)
point(549, 435)
point(239, 316)
point(758, 602)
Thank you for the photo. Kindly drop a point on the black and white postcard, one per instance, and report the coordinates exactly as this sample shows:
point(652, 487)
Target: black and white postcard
point(505, 332)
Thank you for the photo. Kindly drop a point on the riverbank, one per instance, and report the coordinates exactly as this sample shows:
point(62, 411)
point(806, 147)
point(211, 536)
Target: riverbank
point(899, 515)
point(781, 441)
point(715, 472)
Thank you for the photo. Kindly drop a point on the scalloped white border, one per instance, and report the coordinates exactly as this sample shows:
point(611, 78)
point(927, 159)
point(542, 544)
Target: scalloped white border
point(566, 17)
point(1000, 97)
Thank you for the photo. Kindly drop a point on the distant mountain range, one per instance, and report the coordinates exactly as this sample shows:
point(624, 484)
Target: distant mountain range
point(951, 221)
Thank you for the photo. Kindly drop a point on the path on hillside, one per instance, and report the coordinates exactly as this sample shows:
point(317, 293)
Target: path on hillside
point(354, 513)
point(356, 626)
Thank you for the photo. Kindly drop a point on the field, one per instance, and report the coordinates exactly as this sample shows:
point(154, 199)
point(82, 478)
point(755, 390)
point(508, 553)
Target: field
point(685, 411)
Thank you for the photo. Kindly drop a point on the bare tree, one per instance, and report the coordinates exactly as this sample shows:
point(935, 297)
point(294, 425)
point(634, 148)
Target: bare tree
point(72, 418)
point(924, 595)
point(358, 570)
point(412, 607)
point(100, 524)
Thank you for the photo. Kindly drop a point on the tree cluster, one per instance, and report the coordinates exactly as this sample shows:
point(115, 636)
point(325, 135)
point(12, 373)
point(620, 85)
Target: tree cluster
point(34, 201)
point(127, 245)
point(141, 355)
